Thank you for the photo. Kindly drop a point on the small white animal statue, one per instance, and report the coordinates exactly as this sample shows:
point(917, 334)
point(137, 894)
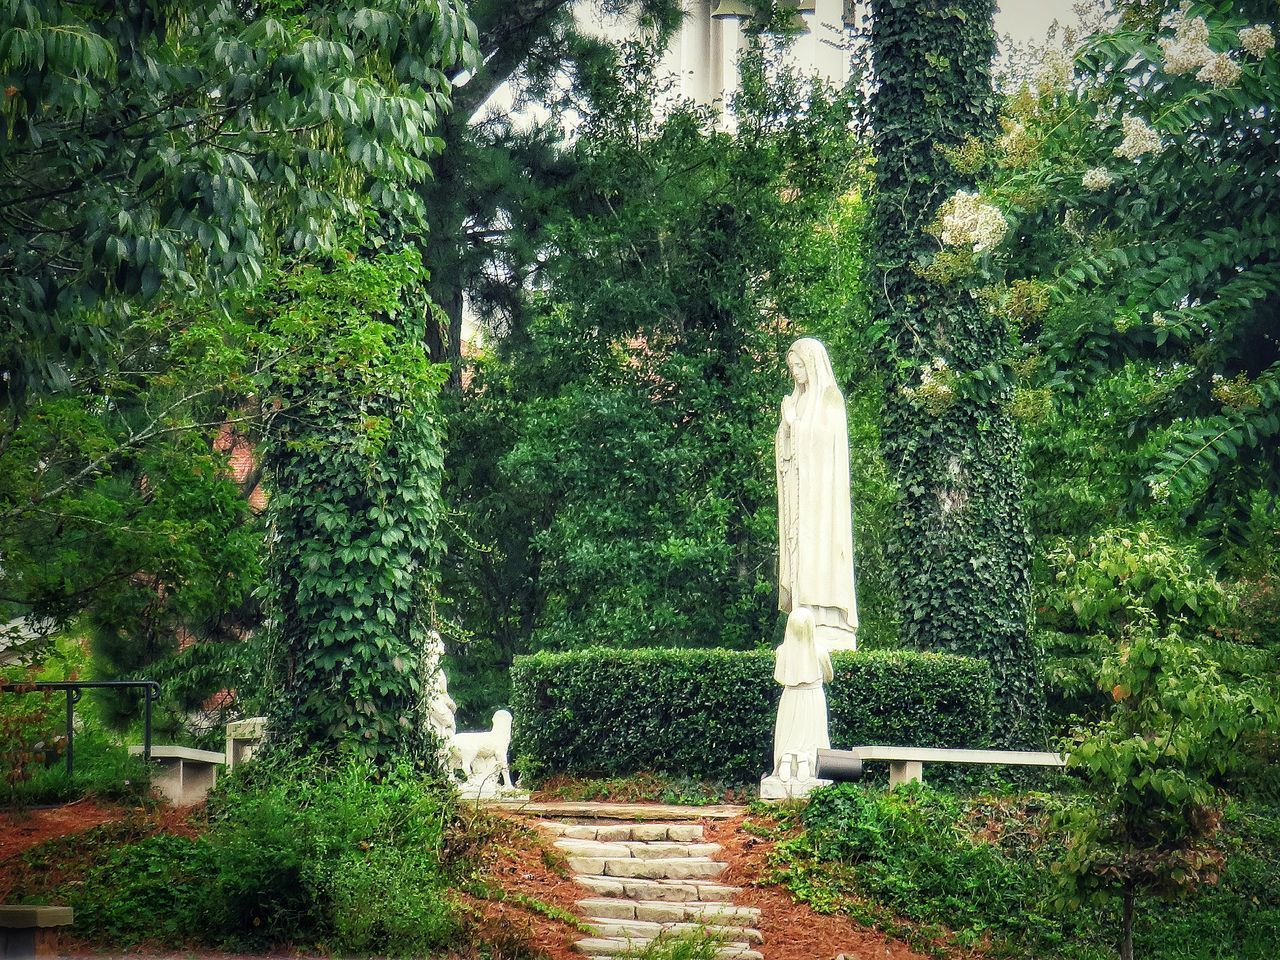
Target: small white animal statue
point(482, 757)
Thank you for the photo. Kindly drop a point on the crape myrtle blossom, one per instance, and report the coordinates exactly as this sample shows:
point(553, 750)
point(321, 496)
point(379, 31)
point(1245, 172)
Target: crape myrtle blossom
point(1097, 178)
point(965, 221)
point(1221, 71)
point(1257, 40)
point(1138, 139)
point(1188, 48)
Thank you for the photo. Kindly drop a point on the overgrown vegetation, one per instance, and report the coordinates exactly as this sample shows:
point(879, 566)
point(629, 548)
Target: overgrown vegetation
point(960, 553)
point(331, 858)
point(985, 871)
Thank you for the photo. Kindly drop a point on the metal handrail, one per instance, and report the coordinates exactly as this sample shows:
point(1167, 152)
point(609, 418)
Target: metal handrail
point(74, 688)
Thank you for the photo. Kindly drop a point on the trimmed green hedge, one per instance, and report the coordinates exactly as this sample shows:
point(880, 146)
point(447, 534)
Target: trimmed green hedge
point(710, 713)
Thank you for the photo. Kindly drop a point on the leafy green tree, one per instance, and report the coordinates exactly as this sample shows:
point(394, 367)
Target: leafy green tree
point(1153, 768)
point(1101, 585)
point(612, 459)
point(960, 552)
point(354, 460)
point(164, 146)
point(161, 159)
point(499, 179)
point(1142, 189)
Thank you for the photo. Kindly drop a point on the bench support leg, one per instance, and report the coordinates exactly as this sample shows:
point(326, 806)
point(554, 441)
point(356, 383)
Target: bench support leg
point(905, 771)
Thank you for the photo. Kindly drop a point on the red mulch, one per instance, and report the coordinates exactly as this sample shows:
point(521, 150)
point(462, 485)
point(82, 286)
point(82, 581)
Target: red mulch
point(22, 830)
point(527, 866)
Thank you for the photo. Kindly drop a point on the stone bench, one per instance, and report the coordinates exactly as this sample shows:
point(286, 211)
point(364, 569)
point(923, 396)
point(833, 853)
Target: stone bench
point(29, 932)
point(243, 739)
point(185, 775)
point(906, 764)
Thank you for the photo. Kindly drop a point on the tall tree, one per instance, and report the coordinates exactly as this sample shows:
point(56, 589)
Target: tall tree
point(161, 159)
point(613, 459)
point(498, 178)
point(960, 551)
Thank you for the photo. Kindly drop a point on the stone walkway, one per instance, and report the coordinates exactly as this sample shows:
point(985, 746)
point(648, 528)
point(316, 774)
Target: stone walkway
point(649, 879)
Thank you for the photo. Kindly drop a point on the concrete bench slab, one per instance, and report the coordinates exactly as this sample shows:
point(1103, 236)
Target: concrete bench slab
point(906, 764)
point(27, 932)
point(185, 775)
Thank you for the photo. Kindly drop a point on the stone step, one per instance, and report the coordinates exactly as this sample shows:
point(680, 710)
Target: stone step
point(640, 849)
point(683, 891)
point(612, 946)
point(614, 833)
point(616, 908)
point(607, 927)
point(669, 868)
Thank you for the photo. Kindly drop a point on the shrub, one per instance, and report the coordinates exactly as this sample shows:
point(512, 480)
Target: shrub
point(154, 889)
point(103, 768)
point(306, 854)
point(920, 862)
point(295, 853)
point(710, 713)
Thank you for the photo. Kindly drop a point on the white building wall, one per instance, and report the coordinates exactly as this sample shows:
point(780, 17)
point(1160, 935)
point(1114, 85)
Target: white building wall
point(703, 56)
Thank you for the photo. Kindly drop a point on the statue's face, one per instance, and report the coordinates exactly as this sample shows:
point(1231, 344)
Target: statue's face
point(798, 372)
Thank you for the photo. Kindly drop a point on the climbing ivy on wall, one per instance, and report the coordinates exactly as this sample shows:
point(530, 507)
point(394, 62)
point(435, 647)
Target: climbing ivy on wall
point(355, 462)
point(960, 552)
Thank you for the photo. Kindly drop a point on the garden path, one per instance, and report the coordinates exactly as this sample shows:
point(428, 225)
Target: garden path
point(644, 869)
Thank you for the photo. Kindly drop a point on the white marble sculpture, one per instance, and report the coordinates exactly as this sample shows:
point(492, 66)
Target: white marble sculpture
point(815, 517)
point(441, 709)
point(802, 666)
point(481, 756)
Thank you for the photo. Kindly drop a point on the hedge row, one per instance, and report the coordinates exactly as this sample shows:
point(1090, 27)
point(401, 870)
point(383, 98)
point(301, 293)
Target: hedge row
point(710, 713)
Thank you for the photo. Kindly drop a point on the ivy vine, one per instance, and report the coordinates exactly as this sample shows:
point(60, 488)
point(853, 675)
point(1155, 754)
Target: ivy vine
point(961, 552)
point(355, 461)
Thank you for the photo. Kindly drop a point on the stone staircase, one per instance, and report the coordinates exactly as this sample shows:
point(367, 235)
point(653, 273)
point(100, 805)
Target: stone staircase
point(649, 880)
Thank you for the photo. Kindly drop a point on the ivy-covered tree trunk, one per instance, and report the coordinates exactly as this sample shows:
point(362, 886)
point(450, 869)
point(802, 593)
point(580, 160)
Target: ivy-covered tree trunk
point(355, 461)
point(960, 553)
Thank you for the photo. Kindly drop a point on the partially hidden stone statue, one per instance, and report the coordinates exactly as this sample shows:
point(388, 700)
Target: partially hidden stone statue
point(800, 730)
point(441, 709)
point(815, 516)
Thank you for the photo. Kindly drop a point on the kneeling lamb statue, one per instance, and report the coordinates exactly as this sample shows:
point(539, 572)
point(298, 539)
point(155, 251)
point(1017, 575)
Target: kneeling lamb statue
point(482, 757)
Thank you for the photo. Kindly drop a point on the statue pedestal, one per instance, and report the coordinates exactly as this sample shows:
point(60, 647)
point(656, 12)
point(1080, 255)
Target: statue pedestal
point(773, 787)
point(489, 788)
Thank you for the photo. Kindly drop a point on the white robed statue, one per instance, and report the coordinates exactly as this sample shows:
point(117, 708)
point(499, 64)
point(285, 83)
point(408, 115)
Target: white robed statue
point(815, 517)
point(802, 666)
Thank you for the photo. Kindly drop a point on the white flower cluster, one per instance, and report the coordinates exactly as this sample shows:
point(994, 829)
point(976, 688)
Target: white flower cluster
point(1220, 70)
point(1054, 72)
point(1257, 40)
point(1188, 48)
point(1138, 139)
point(965, 221)
point(937, 391)
point(1098, 178)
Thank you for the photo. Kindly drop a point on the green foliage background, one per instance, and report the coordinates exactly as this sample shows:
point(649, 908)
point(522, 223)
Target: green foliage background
point(610, 455)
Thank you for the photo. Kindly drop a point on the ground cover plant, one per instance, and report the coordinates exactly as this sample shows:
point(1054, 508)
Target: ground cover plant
point(983, 871)
point(330, 857)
